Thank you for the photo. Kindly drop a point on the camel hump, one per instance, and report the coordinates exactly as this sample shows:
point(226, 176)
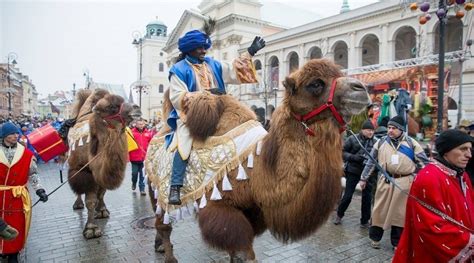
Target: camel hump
point(203, 115)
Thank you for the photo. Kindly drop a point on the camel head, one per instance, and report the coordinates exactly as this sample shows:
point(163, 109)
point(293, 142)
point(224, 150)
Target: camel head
point(310, 88)
point(115, 112)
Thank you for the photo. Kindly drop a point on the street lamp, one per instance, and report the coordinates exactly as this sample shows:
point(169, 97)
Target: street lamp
point(441, 13)
point(140, 86)
point(88, 77)
point(11, 58)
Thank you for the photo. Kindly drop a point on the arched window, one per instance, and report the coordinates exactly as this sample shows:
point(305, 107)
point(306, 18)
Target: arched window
point(453, 38)
point(405, 43)
point(160, 88)
point(370, 50)
point(315, 53)
point(294, 62)
point(274, 72)
point(341, 54)
point(161, 67)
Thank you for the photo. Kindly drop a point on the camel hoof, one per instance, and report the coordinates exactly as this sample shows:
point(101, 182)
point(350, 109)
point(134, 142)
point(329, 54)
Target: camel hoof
point(78, 206)
point(171, 260)
point(92, 231)
point(104, 213)
point(160, 249)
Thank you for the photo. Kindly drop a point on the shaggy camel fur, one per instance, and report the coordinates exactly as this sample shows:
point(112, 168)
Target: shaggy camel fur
point(105, 156)
point(295, 182)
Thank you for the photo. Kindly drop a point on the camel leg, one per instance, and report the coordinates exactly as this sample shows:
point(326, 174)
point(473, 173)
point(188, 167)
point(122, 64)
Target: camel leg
point(91, 230)
point(101, 209)
point(158, 240)
point(78, 204)
point(165, 233)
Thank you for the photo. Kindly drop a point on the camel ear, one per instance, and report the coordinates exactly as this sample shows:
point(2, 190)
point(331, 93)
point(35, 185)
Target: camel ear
point(290, 85)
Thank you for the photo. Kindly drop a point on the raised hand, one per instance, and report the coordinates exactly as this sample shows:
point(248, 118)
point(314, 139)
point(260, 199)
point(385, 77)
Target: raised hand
point(257, 44)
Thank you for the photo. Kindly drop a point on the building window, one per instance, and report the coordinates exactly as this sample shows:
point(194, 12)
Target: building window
point(160, 88)
point(161, 67)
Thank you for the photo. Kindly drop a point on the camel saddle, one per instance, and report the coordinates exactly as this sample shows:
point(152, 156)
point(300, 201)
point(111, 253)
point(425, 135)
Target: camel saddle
point(208, 165)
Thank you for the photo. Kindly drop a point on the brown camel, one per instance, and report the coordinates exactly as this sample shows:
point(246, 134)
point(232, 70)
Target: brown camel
point(98, 150)
point(295, 181)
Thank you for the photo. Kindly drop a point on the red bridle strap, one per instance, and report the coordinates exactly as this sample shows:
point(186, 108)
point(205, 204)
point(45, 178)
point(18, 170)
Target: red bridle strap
point(117, 116)
point(328, 105)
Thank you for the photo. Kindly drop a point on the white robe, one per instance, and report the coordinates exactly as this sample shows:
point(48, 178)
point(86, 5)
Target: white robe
point(182, 140)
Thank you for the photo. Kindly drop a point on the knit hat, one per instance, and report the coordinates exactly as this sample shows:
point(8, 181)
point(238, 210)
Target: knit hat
point(8, 128)
point(451, 139)
point(368, 125)
point(397, 122)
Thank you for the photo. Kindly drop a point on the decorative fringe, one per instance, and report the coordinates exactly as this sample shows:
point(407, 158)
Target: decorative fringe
point(89, 138)
point(242, 175)
point(203, 201)
point(259, 148)
point(186, 212)
point(179, 216)
point(73, 146)
point(81, 143)
point(216, 195)
point(156, 193)
point(250, 161)
point(158, 209)
point(226, 186)
point(166, 218)
point(196, 207)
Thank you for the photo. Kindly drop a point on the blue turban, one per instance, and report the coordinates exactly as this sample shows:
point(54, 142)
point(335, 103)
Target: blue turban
point(7, 129)
point(192, 40)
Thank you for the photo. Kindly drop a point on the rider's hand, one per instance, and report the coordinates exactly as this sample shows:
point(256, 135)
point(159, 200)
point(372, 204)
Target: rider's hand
point(257, 44)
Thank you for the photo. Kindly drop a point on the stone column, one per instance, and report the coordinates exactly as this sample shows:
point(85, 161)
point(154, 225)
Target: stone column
point(353, 52)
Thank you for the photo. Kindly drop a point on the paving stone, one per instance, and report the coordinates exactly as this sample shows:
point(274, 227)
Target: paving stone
point(56, 234)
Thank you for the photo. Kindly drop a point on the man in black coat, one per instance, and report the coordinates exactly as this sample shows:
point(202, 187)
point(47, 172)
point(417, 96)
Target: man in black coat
point(354, 158)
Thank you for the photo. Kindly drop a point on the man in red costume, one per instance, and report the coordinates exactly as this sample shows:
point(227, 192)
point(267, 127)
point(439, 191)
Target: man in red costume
point(444, 185)
point(17, 167)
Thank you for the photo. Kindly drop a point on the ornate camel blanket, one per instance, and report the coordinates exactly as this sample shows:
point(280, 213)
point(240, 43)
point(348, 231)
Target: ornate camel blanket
point(208, 165)
point(78, 135)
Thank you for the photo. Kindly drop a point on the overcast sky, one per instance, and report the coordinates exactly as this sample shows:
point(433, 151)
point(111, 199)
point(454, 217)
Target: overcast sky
point(57, 40)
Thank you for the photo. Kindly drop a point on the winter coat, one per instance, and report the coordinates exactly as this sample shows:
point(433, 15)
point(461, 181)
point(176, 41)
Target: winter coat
point(353, 154)
point(142, 138)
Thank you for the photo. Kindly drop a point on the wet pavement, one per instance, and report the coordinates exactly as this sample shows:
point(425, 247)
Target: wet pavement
point(56, 233)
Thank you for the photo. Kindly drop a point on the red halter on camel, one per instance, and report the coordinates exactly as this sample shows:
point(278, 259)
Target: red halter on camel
point(328, 105)
point(117, 116)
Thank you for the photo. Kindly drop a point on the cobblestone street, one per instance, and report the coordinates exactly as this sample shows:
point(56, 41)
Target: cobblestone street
point(56, 234)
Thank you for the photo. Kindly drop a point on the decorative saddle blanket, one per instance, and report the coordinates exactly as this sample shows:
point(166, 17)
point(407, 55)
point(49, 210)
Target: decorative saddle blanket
point(208, 165)
point(78, 135)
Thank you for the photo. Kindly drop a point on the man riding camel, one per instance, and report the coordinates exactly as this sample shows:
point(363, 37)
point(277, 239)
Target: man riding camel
point(195, 72)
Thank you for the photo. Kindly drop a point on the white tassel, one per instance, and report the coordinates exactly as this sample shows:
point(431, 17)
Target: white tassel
point(166, 218)
point(152, 185)
point(74, 146)
point(88, 138)
point(203, 201)
point(196, 207)
point(226, 186)
point(156, 193)
point(179, 216)
point(241, 175)
point(250, 161)
point(80, 142)
point(186, 212)
point(216, 195)
point(259, 148)
point(158, 210)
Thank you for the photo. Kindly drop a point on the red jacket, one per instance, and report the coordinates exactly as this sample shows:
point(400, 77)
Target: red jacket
point(143, 139)
point(429, 238)
point(12, 203)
